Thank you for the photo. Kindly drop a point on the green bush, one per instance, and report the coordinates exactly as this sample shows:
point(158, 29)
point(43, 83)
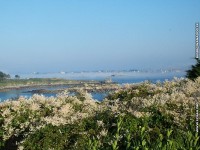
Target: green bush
point(1, 133)
point(54, 137)
point(167, 123)
point(124, 131)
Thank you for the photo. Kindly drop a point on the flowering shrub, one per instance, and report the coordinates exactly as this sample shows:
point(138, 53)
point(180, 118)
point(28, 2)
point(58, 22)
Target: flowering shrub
point(136, 116)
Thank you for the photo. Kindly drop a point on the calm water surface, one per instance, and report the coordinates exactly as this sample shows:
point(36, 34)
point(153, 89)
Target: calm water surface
point(119, 77)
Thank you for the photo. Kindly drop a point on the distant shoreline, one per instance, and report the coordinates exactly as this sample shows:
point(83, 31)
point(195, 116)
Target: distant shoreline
point(12, 84)
point(2, 89)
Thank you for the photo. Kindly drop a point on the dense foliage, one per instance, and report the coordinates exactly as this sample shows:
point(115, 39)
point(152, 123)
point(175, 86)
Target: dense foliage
point(137, 116)
point(194, 72)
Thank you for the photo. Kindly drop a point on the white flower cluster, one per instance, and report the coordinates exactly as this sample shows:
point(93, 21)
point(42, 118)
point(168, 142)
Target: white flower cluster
point(180, 93)
point(36, 112)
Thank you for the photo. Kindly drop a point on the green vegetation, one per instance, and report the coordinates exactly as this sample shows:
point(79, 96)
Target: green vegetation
point(17, 77)
point(4, 76)
point(1, 131)
point(17, 82)
point(145, 116)
point(136, 91)
point(194, 72)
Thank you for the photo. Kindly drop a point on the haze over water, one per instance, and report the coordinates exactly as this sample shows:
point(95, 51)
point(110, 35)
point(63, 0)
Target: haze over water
point(51, 36)
point(86, 35)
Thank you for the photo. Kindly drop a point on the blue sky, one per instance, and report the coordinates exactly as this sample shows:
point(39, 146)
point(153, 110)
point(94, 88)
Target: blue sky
point(77, 35)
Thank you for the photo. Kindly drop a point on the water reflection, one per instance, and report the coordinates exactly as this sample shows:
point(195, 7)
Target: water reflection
point(26, 92)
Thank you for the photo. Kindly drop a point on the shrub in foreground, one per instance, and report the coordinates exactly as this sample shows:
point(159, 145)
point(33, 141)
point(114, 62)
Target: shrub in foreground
point(143, 116)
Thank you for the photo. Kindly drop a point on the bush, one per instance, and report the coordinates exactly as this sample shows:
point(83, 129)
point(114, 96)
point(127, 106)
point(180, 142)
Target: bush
point(136, 91)
point(1, 133)
point(53, 137)
point(144, 116)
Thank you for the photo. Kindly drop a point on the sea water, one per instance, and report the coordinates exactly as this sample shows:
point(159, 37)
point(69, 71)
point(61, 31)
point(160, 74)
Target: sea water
point(118, 77)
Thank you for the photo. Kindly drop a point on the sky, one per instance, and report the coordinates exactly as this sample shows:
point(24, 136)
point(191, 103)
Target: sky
point(89, 35)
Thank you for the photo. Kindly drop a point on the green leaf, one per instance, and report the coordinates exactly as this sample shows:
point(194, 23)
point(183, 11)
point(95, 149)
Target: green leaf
point(144, 142)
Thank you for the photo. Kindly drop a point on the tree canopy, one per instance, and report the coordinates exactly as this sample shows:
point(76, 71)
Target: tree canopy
point(17, 77)
point(194, 72)
point(4, 76)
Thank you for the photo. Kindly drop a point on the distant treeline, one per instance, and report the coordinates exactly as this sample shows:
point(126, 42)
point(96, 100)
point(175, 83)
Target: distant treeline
point(4, 76)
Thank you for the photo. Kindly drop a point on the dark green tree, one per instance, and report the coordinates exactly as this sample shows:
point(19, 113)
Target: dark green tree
point(194, 72)
point(4, 76)
point(17, 77)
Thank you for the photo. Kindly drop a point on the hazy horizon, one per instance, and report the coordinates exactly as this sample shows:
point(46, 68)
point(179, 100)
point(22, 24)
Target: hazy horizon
point(53, 36)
